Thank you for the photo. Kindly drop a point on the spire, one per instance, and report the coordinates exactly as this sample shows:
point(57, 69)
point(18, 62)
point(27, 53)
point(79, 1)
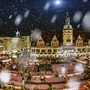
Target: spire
point(55, 36)
point(17, 33)
point(67, 22)
point(67, 19)
point(79, 37)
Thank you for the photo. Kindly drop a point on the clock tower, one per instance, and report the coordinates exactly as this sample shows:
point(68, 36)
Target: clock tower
point(67, 32)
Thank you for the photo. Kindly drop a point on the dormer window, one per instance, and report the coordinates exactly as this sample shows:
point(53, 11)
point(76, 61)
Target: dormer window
point(40, 41)
point(54, 41)
point(79, 41)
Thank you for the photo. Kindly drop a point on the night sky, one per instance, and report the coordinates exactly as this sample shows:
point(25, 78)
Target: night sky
point(26, 15)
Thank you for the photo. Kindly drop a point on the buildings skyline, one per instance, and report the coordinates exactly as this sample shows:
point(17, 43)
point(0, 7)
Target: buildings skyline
point(53, 47)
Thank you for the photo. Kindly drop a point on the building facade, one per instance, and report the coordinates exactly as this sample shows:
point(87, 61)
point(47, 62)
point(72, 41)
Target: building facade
point(67, 32)
point(55, 49)
point(15, 43)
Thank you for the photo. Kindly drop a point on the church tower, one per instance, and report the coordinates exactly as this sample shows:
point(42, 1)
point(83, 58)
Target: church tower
point(67, 32)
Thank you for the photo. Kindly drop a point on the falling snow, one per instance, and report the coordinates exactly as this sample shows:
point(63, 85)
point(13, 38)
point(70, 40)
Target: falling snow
point(79, 67)
point(85, 0)
point(86, 21)
point(47, 5)
point(5, 76)
point(73, 84)
point(77, 16)
point(18, 20)
point(26, 14)
point(10, 16)
point(15, 40)
point(78, 25)
point(18, 10)
point(63, 71)
point(53, 18)
point(35, 35)
point(21, 0)
point(14, 66)
point(37, 16)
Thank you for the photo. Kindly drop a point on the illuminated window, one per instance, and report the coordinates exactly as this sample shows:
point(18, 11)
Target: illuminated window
point(49, 50)
point(33, 50)
point(37, 50)
point(43, 50)
point(55, 50)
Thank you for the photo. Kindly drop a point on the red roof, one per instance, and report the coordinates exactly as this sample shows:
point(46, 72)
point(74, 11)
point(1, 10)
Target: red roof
point(58, 86)
point(39, 86)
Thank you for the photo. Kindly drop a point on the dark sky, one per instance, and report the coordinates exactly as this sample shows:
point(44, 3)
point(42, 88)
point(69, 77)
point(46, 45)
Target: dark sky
point(26, 15)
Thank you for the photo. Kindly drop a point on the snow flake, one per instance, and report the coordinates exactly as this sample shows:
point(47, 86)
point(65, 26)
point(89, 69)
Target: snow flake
point(77, 16)
point(47, 5)
point(86, 21)
point(26, 14)
point(5, 76)
point(53, 18)
point(18, 20)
